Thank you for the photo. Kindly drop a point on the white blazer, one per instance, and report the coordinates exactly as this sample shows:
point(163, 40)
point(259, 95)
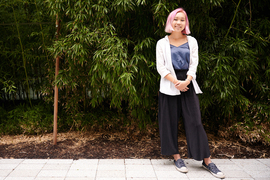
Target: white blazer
point(164, 65)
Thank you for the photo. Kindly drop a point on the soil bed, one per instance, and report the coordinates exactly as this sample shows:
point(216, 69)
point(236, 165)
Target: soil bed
point(75, 145)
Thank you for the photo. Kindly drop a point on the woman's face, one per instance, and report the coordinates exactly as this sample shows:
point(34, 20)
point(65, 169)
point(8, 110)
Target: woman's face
point(179, 22)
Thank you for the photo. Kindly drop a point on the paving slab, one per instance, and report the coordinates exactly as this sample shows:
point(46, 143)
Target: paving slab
point(20, 178)
point(137, 161)
point(53, 173)
point(129, 169)
point(34, 161)
point(5, 172)
point(81, 173)
point(265, 161)
point(49, 178)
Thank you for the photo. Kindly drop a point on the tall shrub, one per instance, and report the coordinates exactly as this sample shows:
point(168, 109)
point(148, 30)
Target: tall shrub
point(107, 51)
point(26, 31)
point(107, 55)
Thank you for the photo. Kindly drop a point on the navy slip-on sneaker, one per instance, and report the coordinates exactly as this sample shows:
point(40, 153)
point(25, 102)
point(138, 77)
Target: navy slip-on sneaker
point(180, 166)
point(212, 168)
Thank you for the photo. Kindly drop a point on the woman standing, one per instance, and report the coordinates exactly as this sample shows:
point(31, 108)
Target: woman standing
point(177, 61)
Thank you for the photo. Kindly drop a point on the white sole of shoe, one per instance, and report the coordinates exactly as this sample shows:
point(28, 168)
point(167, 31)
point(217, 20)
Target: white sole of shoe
point(182, 170)
point(221, 176)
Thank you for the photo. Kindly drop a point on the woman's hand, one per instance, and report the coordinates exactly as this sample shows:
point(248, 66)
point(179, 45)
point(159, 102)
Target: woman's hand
point(182, 85)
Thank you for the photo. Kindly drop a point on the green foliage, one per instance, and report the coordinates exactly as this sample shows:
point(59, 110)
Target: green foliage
point(10, 122)
point(26, 120)
point(25, 33)
point(96, 120)
point(36, 120)
point(3, 114)
point(107, 58)
point(232, 70)
point(8, 86)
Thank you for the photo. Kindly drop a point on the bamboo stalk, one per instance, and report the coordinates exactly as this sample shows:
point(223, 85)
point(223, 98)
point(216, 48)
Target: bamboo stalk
point(232, 20)
point(24, 61)
point(44, 46)
point(42, 35)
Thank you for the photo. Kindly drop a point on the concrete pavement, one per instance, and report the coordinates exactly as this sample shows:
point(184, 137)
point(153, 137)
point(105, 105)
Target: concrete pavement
point(129, 169)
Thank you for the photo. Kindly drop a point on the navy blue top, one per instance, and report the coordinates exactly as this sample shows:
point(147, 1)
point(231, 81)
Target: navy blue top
point(180, 56)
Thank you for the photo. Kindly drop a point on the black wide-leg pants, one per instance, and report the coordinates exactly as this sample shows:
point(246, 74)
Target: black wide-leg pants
point(171, 108)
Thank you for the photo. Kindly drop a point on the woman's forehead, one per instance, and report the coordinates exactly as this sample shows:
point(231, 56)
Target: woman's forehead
point(180, 14)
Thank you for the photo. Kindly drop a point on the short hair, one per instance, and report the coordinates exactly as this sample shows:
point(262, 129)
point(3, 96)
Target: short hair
point(169, 28)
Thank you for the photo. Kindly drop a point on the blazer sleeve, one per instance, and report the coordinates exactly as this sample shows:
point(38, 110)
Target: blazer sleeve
point(194, 58)
point(160, 59)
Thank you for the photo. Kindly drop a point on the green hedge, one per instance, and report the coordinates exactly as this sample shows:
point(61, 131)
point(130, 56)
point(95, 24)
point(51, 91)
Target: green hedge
point(107, 56)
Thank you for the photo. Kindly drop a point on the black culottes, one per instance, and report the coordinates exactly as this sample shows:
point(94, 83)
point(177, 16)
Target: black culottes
point(186, 105)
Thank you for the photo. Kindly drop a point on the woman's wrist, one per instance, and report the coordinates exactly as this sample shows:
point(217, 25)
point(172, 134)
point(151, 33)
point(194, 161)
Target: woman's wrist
point(175, 81)
point(188, 80)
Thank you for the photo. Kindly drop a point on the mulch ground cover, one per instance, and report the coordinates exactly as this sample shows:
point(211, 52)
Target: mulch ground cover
point(78, 145)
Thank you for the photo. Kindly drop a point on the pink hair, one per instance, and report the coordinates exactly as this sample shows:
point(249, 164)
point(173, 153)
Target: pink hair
point(169, 28)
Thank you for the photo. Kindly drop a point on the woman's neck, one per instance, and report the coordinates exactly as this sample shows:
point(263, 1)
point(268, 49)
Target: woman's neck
point(176, 36)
